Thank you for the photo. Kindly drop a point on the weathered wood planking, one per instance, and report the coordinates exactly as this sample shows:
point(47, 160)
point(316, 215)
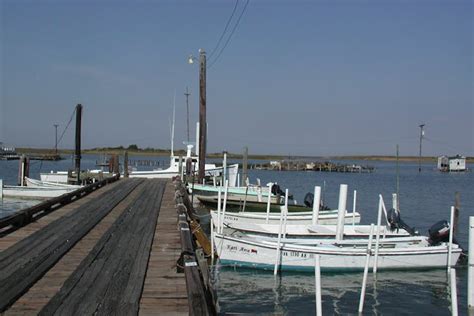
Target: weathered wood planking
point(43, 290)
point(28, 260)
point(164, 291)
point(110, 279)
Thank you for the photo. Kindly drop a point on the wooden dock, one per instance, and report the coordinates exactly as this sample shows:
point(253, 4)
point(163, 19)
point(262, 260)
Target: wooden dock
point(113, 251)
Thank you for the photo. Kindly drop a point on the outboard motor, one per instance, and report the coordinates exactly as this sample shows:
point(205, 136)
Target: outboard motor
point(439, 232)
point(309, 199)
point(396, 222)
point(277, 190)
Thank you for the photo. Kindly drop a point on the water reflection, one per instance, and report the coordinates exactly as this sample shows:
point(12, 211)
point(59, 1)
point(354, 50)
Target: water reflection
point(259, 292)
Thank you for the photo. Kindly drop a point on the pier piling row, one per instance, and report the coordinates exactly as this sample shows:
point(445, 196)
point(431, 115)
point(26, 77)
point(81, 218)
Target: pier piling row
point(114, 251)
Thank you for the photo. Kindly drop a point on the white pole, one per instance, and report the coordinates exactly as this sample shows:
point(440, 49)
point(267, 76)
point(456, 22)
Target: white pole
point(214, 180)
point(317, 277)
point(269, 201)
point(341, 211)
point(316, 203)
point(394, 201)
point(377, 236)
point(366, 269)
point(1, 188)
point(197, 139)
point(280, 228)
point(224, 164)
point(286, 213)
point(219, 203)
point(238, 179)
point(454, 293)
point(226, 188)
point(470, 271)
point(450, 246)
point(212, 241)
point(354, 202)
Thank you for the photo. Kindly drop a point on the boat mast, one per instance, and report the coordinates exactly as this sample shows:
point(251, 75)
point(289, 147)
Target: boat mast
point(172, 125)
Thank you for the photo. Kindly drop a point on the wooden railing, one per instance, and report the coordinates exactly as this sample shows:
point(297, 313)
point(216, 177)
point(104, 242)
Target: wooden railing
point(200, 298)
point(26, 216)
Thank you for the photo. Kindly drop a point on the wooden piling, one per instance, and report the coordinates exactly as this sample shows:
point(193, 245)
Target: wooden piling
point(77, 156)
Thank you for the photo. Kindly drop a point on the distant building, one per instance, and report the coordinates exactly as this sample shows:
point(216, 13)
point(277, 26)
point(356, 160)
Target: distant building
point(452, 164)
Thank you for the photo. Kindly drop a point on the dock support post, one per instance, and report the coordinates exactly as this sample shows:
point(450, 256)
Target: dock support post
point(1, 189)
point(226, 189)
point(316, 204)
point(317, 277)
point(454, 293)
point(245, 165)
point(125, 164)
point(77, 155)
point(354, 208)
point(470, 271)
point(341, 212)
point(219, 205)
point(377, 236)
point(269, 201)
point(366, 269)
point(450, 245)
point(224, 165)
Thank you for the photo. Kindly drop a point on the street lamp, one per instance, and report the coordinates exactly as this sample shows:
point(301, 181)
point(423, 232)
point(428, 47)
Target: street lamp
point(202, 111)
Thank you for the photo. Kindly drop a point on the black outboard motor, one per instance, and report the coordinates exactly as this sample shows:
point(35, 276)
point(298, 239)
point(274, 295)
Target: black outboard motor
point(277, 190)
point(439, 233)
point(309, 199)
point(396, 222)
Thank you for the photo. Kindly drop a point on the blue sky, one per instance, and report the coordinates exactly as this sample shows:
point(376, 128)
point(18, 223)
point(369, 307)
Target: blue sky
point(298, 77)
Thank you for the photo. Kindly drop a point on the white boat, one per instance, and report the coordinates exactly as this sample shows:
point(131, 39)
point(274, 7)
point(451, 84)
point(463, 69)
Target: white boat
point(413, 253)
point(294, 218)
point(309, 231)
point(25, 192)
point(33, 183)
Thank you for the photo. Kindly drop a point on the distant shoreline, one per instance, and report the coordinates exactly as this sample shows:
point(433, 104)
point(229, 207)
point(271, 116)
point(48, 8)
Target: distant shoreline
point(166, 153)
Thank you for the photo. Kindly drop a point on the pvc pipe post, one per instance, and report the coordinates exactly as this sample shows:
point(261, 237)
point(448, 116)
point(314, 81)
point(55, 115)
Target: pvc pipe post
point(316, 203)
point(226, 189)
point(366, 269)
point(280, 228)
point(224, 164)
point(450, 245)
point(212, 241)
point(470, 271)
point(354, 202)
point(317, 277)
point(377, 236)
point(269, 201)
point(454, 293)
point(341, 212)
point(219, 205)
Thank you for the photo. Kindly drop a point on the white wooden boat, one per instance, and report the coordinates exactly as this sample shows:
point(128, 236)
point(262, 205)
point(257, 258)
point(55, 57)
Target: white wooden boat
point(34, 192)
point(33, 183)
point(413, 253)
point(294, 218)
point(309, 230)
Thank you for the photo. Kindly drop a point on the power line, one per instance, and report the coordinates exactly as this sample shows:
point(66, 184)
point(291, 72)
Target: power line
point(225, 29)
point(230, 36)
point(64, 131)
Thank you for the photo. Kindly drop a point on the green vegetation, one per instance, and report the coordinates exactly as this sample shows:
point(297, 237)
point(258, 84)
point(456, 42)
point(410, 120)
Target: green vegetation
point(134, 150)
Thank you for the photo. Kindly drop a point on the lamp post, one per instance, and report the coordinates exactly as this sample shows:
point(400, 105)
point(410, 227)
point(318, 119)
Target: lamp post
point(202, 112)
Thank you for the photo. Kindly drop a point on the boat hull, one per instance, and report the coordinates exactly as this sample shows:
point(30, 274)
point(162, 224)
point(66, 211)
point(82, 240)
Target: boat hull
point(242, 253)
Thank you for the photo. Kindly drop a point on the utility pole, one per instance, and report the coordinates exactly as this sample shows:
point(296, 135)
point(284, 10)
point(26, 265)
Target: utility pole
point(187, 94)
point(56, 139)
point(422, 133)
point(202, 115)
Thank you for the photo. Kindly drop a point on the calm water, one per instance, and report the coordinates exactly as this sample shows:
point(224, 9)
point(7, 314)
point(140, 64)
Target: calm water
point(425, 198)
